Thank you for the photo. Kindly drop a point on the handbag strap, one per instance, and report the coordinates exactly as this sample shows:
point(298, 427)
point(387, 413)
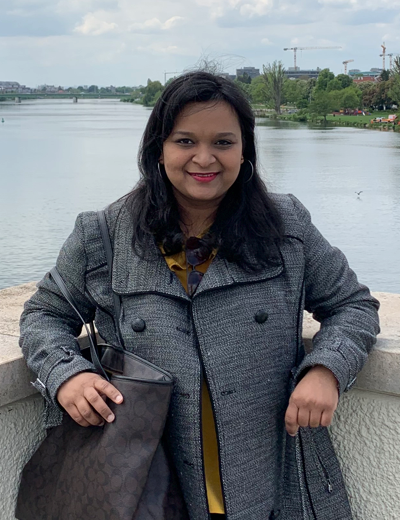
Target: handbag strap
point(68, 296)
point(105, 235)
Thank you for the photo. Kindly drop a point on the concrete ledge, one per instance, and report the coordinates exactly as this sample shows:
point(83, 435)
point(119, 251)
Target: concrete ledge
point(381, 373)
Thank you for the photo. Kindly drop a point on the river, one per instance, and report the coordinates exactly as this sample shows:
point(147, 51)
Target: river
point(59, 158)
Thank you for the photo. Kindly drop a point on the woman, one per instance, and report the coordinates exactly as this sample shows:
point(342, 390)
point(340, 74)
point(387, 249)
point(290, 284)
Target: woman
point(214, 274)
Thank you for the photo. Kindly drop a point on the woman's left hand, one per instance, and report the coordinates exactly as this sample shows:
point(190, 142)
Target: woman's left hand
point(314, 400)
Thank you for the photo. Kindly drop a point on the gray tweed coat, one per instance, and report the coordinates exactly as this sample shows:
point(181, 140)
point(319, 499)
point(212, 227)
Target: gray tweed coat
point(243, 332)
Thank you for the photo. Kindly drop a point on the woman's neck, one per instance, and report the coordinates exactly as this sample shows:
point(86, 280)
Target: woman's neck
point(196, 220)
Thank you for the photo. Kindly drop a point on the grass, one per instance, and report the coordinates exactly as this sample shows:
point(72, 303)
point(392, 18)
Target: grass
point(360, 119)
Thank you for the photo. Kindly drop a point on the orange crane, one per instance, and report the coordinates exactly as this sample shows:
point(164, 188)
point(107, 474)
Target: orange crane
point(295, 49)
point(383, 55)
point(345, 65)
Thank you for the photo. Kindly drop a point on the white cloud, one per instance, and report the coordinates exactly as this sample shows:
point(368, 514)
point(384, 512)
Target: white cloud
point(154, 25)
point(256, 8)
point(266, 41)
point(94, 26)
point(359, 5)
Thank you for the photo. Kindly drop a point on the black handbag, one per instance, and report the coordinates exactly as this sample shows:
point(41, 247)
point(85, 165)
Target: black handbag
point(119, 471)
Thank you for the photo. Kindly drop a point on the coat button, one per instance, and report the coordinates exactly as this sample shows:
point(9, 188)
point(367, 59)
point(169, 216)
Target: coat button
point(138, 325)
point(261, 316)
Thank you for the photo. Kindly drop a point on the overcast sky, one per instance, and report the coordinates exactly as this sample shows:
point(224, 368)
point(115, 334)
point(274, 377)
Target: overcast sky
point(125, 42)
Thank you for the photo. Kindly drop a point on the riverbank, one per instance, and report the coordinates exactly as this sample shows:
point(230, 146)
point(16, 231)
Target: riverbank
point(331, 120)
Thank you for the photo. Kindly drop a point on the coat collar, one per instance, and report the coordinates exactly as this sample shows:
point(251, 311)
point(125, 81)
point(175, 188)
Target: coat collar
point(132, 274)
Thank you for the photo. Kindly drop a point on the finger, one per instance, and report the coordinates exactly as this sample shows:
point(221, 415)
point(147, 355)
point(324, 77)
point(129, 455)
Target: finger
point(326, 418)
point(106, 388)
point(74, 413)
point(97, 402)
point(303, 417)
point(291, 419)
point(315, 418)
point(88, 413)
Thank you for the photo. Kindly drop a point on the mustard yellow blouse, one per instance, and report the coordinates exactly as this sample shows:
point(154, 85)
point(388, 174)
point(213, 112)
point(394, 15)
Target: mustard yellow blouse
point(177, 264)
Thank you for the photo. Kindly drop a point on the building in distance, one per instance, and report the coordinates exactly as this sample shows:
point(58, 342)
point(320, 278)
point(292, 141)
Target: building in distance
point(362, 77)
point(251, 72)
point(297, 73)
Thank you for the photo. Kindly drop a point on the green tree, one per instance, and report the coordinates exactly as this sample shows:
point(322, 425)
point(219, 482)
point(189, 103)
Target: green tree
point(93, 89)
point(382, 97)
point(345, 80)
point(274, 78)
point(151, 93)
point(334, 84)
point(244, 78)
point(384, 75)
point(323, 103)
point(324, 77)
point(258, 90)
point(394, 90)
point(245, 88)
point(350, 98)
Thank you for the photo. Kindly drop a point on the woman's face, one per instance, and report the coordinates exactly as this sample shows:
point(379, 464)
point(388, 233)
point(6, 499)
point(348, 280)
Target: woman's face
point(203, 153)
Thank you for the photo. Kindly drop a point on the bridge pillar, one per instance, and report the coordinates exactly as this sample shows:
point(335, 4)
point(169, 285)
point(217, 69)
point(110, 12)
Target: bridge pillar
point(75, 99)
point(17, 99)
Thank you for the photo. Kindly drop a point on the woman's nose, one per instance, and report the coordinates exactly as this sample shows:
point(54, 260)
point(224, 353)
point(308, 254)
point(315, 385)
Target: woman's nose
point(204, 157)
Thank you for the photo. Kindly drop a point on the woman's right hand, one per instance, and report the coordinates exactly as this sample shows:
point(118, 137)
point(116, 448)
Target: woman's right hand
point(83, 397)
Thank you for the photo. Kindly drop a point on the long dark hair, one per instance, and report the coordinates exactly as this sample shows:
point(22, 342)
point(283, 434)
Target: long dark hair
point(247, 225)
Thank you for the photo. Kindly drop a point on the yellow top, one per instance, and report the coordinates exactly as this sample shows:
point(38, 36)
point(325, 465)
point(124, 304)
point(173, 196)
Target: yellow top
point(177, 264)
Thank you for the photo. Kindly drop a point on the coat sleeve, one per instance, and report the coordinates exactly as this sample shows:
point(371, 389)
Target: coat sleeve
point(347, 312)
point(49, 326)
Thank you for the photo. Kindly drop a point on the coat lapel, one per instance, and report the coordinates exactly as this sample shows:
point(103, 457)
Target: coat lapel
point(151, 274)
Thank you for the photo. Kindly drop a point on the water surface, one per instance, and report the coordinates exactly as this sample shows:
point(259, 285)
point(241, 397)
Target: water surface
point(59, 158)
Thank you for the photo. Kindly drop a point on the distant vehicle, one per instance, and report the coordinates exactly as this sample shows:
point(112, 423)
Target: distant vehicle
point(392, 118)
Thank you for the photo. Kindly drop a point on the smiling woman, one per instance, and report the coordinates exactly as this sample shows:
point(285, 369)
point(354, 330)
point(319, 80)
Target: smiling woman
point(212, 274)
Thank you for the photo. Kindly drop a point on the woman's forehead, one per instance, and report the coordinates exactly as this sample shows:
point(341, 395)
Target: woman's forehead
point(216, 113)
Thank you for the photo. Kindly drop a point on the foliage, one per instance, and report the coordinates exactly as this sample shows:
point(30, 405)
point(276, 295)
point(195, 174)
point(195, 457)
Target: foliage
point(333, 84)
point(345, 80)
point(323, 103)
point(274, 78)
point(151, 93)
point(351, 98)
point(324, 77)
point(384, 75)
point(244, 78)
point(258, 90)
point(394, 90)
point(245, 88)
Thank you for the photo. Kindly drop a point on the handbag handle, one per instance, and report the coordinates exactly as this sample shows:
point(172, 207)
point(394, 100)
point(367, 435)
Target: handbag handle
point(105, 235)
point(68, 296)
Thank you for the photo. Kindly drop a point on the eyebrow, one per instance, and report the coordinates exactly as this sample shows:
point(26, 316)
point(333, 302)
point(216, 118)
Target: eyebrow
point(191, 134)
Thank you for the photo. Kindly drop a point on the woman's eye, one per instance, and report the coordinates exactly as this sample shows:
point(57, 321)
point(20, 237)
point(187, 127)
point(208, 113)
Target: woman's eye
point(223, 142)
point(185, 141)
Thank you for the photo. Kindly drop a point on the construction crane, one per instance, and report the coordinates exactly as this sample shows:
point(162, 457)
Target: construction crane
point(295, 49)
point(345, 65)
point(383, 55)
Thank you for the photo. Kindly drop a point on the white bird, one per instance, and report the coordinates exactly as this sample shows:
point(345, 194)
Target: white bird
point(358, 192)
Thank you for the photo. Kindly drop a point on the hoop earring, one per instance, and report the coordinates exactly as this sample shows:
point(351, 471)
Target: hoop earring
point(252, 171)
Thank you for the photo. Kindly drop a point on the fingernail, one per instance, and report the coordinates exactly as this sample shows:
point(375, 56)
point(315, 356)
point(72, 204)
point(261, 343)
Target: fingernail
point(118, 398)
point(110, 418)
point(101, 424)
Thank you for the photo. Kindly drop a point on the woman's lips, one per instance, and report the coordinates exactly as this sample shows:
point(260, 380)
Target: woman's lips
point(203, 177)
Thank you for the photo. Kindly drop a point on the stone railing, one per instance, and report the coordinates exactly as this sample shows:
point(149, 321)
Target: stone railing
point(366, 428)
